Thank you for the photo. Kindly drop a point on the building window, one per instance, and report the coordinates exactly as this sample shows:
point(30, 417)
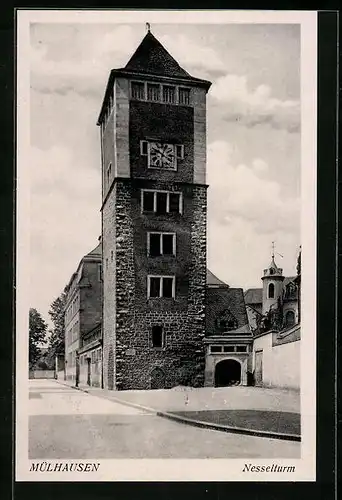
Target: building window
point(138, 90)
point(228, 348)
point(289, 318)
point(184, 96)
point(161, 244)
point(99, 269)
point(112, 255)
point(153, 92)
point(169, 94)
point(271, 291)
point(161, 202)
point(157, 336)
point(241, 348)
point(161, 206)
point(109, 173)
point(161, 286)
point(148, 201)
point(143, 148)
point(175, 203)
point(179, 151)
point(216, 348)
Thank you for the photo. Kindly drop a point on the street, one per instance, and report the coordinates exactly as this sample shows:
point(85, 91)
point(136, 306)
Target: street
point(66, 423)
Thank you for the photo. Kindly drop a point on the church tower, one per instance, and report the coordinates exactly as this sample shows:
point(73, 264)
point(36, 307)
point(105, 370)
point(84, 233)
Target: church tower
point(272, 285)
point(154, 214)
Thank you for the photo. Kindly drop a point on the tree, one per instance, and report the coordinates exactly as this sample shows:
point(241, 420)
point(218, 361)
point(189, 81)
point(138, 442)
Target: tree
point(37, 335)
point(57, 334)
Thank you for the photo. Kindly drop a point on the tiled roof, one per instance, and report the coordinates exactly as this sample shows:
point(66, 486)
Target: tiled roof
point(253, 296)
point(223, 299)
point(213, 280)
point(96, 252)
point(151, 57)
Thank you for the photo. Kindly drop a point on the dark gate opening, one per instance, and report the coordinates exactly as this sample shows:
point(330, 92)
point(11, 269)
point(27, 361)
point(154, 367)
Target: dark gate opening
point(227, 373)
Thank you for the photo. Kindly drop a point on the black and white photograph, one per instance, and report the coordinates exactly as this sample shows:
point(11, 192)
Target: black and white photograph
point(166, 261)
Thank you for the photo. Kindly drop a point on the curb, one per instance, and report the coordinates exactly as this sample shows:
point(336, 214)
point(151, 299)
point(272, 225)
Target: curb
point(195, 423)
point(226, 428)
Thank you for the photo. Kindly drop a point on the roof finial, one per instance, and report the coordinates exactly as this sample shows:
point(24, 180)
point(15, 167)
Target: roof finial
point(148, 27)
point(272, 249)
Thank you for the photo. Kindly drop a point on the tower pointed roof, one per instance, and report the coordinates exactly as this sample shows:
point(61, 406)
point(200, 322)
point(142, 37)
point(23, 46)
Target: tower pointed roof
point(153, 61)
point(152, 58)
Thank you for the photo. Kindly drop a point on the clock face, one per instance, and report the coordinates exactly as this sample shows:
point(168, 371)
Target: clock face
point(162, 155)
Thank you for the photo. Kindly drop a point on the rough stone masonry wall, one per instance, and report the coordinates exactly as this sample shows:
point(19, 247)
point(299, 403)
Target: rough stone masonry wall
point(197, 283)
point(108, 277)
point(182, 357)
point(124, 281)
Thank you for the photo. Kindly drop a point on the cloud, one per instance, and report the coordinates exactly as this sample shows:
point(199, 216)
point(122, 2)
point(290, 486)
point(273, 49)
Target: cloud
point(64, 220)
point(245, 191)
point(246, 212)
point(201, 59)
point(255, 107)
point(85, 70)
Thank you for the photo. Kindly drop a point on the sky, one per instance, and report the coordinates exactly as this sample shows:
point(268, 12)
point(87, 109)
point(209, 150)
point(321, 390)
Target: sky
point(253, 142)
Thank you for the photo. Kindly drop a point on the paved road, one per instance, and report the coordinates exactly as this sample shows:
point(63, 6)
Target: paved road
point(67, 423)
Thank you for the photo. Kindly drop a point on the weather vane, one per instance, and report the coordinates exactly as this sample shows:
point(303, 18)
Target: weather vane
point(273, 247)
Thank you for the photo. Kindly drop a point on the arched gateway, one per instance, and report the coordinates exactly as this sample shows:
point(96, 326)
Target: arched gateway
point(227, 373)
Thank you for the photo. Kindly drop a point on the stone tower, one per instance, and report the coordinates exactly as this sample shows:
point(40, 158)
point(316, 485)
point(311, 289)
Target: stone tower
point(154, 213)
point(272, 282)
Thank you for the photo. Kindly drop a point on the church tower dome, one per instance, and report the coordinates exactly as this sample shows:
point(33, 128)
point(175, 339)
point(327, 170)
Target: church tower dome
point(272, 285)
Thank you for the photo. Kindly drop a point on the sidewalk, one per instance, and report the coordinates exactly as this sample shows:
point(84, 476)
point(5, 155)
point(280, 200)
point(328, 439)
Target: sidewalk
point(259, 411)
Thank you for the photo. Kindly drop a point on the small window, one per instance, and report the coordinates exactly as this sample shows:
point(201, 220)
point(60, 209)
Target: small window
point(271, 291)
point(157, 336)
point(153, 92)
point(179, 151)
point(143, 148)
point(228, 348)
point(112, 255)
point(107, 263)
point(155, 287)
point(184, 96)
point(154, 245)
point(99, 269)
point(289, 318)
point(271, 271)
point(161, 203)
point(109, 173)
point(167, 289)
point(161, 244)
point(167, 241)
point(161, 286)
point(148, 201)
point(216, 348)
point(138, 90)
point(169, 94)
point(241, 348)
point(174, 203)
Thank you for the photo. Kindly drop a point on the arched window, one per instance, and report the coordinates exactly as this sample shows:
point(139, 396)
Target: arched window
point(289, 318)
point(157, 336)
point(271, 291)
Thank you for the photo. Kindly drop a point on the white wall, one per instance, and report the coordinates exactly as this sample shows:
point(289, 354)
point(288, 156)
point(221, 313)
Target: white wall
point(280, 364)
